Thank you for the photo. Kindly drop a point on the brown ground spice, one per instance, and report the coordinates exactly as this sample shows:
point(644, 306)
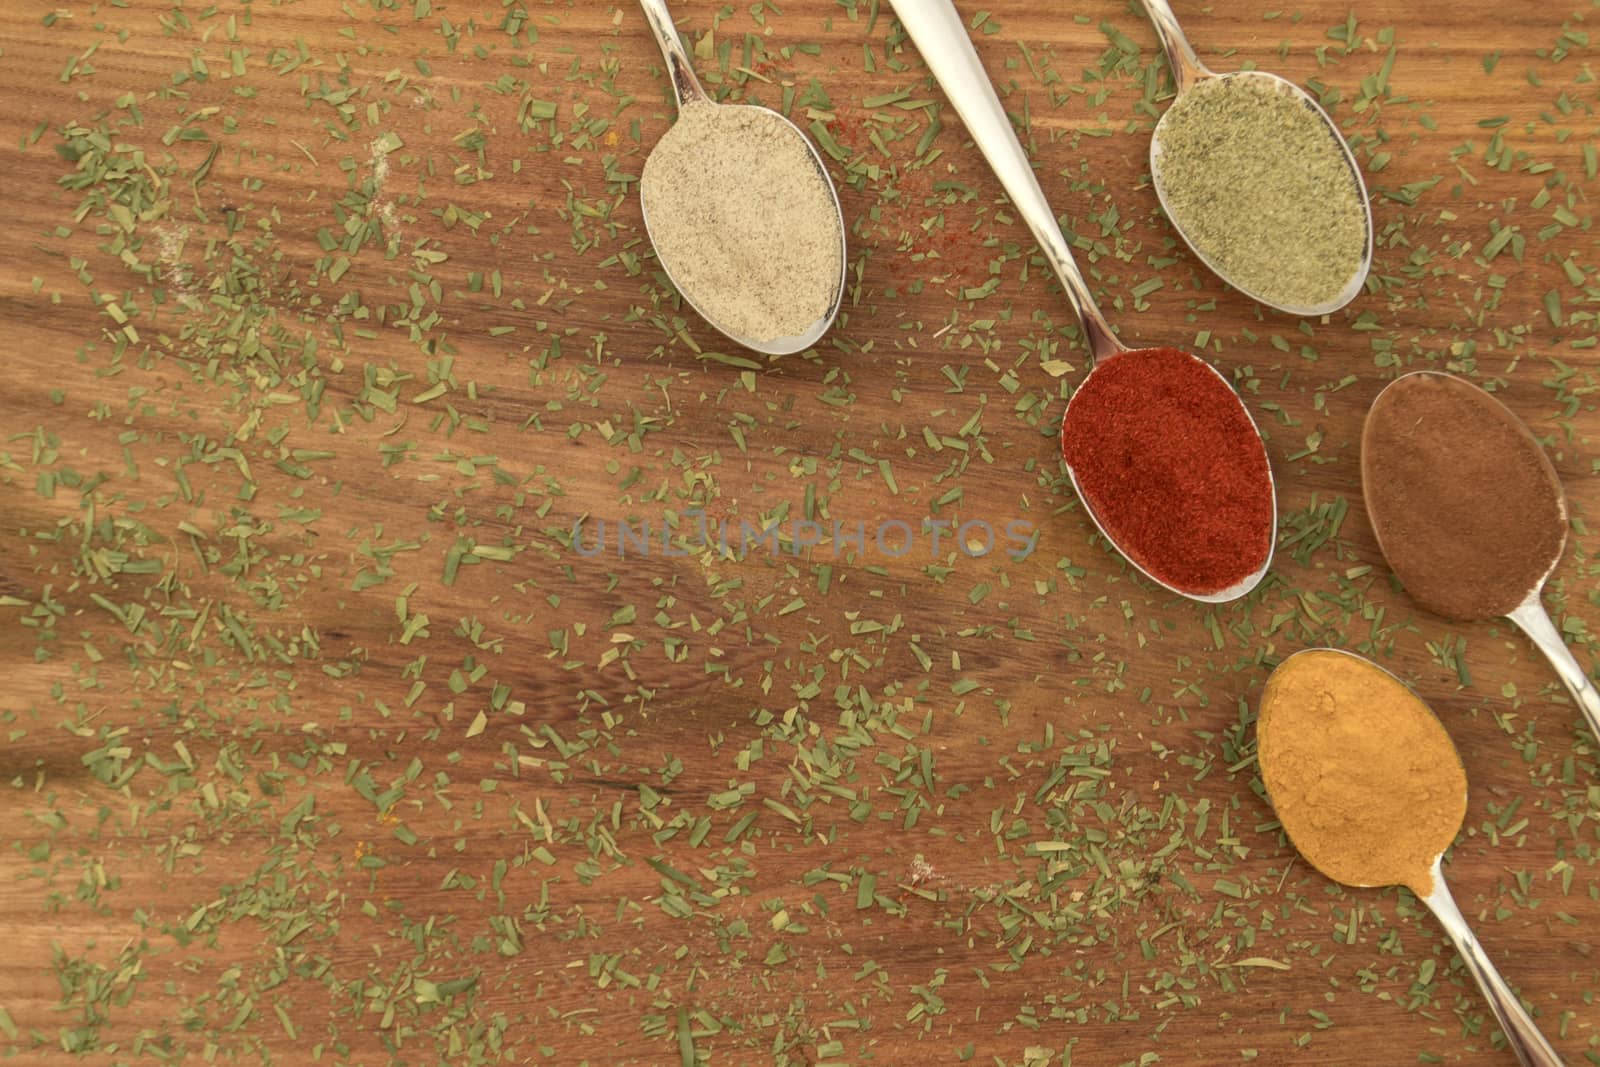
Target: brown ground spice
point(1466, 506)
point(1365, 780)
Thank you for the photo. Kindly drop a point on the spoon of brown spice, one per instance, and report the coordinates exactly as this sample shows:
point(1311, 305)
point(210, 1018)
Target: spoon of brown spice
point(1164, 455)
point(1468, 511)
point(1371, 791)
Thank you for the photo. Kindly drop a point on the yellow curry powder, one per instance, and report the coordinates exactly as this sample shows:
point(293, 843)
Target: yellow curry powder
point(1365, 780)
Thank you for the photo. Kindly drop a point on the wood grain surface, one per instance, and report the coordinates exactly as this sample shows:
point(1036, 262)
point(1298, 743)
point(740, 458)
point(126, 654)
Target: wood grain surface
point(322, 742)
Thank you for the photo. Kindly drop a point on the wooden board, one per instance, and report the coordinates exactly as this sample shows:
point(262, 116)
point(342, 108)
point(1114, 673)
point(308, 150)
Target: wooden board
point(323, 742)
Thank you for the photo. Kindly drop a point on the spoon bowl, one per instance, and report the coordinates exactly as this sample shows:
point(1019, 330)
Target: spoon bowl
point(1287, 717)
point(940, 34)
point(1251, 88)
point(689, 93)
point(1234, 590)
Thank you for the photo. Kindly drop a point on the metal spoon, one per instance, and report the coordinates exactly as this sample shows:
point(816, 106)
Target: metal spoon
point(1522, 1033)
point(1187, 71)
point(1529, 614)
point(941, 36)
point(688, 90)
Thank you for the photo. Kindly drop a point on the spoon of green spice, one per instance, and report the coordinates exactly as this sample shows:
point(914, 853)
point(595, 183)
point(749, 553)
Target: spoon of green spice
point(1228, 446)
point(1258, 180)
point(742, 214)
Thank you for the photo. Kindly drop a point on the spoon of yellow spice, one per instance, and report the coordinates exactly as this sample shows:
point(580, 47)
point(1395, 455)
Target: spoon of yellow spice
point(1259, 182)
point(1469, 511)
point(1371, 791)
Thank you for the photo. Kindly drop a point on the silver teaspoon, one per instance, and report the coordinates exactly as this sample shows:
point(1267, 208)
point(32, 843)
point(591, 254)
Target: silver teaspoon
point(1283, 729)
point(1218, 212)
point(1537, 553)
point(941, 37)
point(727, 296)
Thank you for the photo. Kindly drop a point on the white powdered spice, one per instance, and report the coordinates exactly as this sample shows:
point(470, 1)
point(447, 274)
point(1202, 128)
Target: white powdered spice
point(744, 221)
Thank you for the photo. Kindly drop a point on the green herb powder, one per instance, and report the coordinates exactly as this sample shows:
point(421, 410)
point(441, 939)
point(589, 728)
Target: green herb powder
point(1261, 188)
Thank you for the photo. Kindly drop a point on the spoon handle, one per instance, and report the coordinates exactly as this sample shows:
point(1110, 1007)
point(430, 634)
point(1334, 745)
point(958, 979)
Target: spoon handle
point(1522, 1033)
point(685, 86)
point(1186, 66)
point(940, 35)
point(1535, 622)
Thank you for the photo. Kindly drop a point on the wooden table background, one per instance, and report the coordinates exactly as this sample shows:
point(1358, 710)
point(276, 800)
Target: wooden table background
point(323, 745)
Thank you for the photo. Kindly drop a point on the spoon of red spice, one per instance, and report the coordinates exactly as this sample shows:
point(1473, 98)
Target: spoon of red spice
point(1166, 459)
point(1260, 101)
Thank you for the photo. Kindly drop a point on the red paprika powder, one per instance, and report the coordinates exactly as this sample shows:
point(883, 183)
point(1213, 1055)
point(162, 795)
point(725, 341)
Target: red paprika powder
point(1170, 464)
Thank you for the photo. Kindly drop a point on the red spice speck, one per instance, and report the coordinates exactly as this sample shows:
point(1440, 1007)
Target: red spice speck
point(852, 129)
point(1173, 469)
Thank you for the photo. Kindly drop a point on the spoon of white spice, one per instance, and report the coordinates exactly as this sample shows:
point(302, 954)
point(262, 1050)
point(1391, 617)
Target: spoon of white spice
point(1209, 177)
point(742, 213)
